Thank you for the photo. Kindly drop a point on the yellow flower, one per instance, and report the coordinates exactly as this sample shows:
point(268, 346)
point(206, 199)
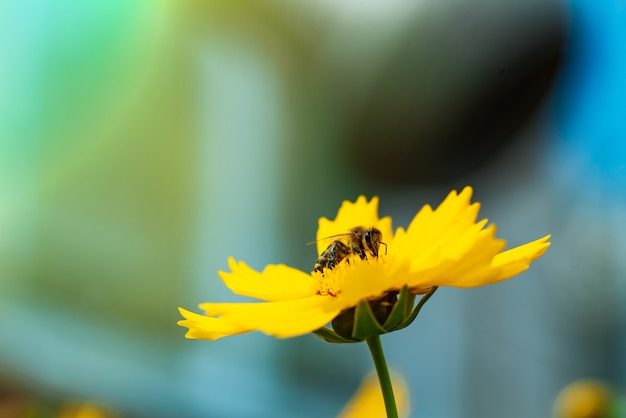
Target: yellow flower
point(86, 410)
point(441, 247)
point(588, 398)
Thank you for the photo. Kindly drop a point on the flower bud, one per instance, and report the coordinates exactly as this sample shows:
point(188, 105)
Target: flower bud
point(393, 311)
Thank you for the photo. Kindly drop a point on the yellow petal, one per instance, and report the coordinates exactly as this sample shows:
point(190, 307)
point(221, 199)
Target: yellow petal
point(367, 280)
point(290, 318)
point(480, 267)
point(476, 256)
point(432, 231)
point(276, 282)
point(504, 265)
point(368, 401)
point(447, 247)
point(351, 215)
point(461, 263)
point(202, 327)
point(518, 259)
point(281, 319)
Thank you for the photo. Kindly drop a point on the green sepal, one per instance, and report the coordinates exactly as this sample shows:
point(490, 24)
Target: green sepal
point(410, 318)
point(365, 323)
point(331, 336)
point(401, 309)
point(359, 323)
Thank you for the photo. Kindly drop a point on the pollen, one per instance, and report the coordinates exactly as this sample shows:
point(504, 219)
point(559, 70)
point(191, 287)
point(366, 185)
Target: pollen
point(331, 282)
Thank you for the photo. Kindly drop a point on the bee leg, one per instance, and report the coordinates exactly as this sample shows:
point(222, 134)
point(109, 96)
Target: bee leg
point(360, 252)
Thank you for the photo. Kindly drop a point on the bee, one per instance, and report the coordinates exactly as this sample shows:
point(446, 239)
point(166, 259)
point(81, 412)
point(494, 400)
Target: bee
point(360, 241)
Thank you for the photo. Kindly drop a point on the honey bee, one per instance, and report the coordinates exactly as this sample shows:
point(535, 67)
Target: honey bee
point(360, 241)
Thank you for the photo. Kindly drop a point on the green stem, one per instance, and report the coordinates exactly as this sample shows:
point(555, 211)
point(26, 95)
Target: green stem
point(376, 349)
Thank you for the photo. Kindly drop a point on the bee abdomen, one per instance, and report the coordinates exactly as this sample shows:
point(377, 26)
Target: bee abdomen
point(331, 256)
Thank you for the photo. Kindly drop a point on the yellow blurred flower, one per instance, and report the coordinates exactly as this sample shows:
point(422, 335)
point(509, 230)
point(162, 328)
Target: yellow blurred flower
point(588, 398)
point(442, 247)
point(368, 401)
point(82, 410)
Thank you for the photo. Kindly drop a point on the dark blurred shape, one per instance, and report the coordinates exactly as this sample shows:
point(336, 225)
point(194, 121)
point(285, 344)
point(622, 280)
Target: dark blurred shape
point(465, 79)
point(17, 403)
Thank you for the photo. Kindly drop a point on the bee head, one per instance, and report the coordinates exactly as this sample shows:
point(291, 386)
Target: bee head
point(372, 238)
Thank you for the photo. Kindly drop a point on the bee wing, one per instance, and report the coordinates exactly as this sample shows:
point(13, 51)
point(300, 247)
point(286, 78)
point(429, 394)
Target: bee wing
point(325, 238)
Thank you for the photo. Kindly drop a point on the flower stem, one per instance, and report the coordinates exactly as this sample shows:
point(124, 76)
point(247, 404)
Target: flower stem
point(376, 349)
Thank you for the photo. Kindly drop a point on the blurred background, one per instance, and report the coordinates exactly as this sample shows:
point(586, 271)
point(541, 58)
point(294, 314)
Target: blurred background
point(145, 141)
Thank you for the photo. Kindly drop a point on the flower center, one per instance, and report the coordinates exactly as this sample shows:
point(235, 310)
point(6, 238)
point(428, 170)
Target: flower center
point(330, 282)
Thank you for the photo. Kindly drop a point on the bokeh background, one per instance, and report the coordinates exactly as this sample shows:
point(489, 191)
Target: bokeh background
point(145, 141)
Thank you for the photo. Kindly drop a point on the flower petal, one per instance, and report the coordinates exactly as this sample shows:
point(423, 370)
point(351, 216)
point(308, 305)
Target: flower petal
point(471, 255)
point(447, 247)
point(503, 265)
point(482, 265)
point(202, 327)
point(432, 231)
point(518, 259)
point(351, 215)
point(276, 282)
point(289, 318)
point(363, 281)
